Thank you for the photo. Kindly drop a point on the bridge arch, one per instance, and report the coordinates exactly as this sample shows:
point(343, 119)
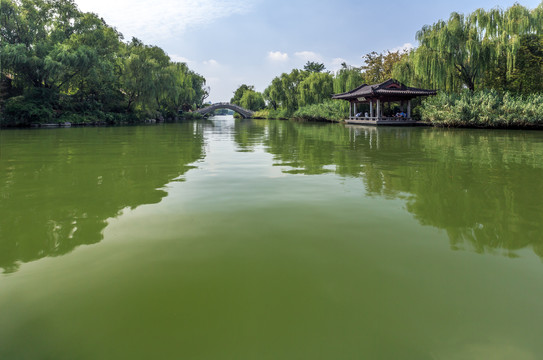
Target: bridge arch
point(246, 114)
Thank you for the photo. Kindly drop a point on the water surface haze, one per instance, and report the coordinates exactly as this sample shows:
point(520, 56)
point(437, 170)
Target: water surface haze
point(257, 239)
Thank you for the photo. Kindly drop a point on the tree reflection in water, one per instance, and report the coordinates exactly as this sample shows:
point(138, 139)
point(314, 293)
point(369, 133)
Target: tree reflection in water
point(60, 187)
point(482, 187)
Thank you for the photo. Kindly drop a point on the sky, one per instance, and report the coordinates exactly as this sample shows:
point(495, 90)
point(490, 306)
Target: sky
point(235, 42)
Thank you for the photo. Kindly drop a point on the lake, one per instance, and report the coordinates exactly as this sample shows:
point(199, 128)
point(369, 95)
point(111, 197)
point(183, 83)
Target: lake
point(256, 239)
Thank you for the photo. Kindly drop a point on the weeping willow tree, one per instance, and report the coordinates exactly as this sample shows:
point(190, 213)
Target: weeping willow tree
point(451, 54)
point(176, 90)
point(457, 53)
point(283, 92)
point(347, 78)
point(315, 89)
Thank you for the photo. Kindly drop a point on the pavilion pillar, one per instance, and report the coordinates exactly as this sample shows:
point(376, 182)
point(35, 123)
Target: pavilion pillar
point(350, 109)
point(371, 108)
point(408, 109)
point(378, 109)
point(389, 106)
point(355, 109)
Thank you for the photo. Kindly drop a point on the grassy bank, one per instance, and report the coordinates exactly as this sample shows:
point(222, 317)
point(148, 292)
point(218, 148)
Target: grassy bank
point(487, 109)
point(328, 111)
point(23, 115)
point(279, 114)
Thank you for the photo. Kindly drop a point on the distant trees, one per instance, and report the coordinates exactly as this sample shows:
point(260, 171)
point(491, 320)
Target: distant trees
point(252, 100)
point(246, 97)
point(61, 64)
point(310, 86)
point(312, 66)
point(379, 67)
point(315, 88)
point(238, 94)
point(283, 91)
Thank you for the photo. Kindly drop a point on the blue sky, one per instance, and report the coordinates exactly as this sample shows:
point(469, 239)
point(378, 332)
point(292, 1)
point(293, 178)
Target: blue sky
point(234, 42)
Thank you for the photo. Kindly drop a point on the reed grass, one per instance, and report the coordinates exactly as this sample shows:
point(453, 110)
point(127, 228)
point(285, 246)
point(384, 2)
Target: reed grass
point(484, 109)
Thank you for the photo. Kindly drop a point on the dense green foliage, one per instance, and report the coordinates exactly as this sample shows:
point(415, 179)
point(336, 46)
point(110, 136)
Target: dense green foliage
point(302, 93)
point(246, 97)
point(484, 108)
point(485, 49)
point(283, 91)
point(526, 77)
point(238, 94)
point(380, 67)
point(313, 66)
point(327, 111)
point(192, 115)
point(60, 64)
point(271, 114)
point(497, 55)
point(315, 89)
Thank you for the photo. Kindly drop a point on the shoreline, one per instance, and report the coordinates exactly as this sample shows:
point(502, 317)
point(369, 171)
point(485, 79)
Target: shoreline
point(297, 119)
point(422, 123)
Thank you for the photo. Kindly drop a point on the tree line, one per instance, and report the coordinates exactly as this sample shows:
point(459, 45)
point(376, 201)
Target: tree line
point(314, 85)
point(61, 64)
point(494, 55)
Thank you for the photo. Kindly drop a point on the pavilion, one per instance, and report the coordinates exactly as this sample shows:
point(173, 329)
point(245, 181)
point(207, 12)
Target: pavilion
point(390, 91)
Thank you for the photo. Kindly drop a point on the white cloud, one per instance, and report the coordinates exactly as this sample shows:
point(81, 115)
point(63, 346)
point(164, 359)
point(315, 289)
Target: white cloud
point(406, 46)
point(308, 56)
point(180, 59)
point(277, 56)
point(162, 18)
point(212, 63)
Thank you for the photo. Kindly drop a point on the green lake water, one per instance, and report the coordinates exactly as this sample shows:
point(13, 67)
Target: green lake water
point(253, 239)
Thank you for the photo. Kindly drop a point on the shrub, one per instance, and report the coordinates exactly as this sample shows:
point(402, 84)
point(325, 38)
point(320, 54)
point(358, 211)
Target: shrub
point(483, 109)
point(281, 114)
point(327, 111)
point(18, 112)
point(192, 115)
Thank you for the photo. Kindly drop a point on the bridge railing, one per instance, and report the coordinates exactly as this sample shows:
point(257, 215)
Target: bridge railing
point(237, 108)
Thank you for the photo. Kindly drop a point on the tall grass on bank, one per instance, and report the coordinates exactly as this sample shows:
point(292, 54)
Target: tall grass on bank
point(483, 109)
point(328, 111)
point(280, 114)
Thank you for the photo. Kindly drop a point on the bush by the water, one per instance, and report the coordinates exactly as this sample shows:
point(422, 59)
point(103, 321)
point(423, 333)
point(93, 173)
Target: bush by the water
point(187, 115)
point(271, 114)
point(328, 111)
point(483, 109)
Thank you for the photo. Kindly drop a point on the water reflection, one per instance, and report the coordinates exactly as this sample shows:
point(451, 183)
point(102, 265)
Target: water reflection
point(482, 187)
point(248, 133)
point(59, 187)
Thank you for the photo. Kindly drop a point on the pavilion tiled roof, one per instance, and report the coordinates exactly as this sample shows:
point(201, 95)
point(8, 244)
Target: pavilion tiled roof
point(390, 87)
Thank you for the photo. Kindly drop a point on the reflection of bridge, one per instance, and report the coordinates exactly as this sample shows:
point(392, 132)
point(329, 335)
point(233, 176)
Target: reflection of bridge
point(243, 112)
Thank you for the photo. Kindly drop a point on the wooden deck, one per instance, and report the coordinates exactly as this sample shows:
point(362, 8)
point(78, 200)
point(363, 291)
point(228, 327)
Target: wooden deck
point(390, 121)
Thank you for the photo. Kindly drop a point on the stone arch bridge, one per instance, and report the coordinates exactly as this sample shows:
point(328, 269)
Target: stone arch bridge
point(246, 114)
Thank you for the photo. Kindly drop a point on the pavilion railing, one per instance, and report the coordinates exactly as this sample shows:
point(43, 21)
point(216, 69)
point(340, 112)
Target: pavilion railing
point(383, 118)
